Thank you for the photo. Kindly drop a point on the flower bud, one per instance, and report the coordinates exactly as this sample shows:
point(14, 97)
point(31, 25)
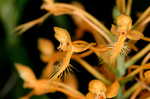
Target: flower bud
point(97, 87)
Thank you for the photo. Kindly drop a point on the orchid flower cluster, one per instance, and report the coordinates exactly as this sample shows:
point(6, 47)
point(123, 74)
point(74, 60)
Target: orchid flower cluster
point(112, 46)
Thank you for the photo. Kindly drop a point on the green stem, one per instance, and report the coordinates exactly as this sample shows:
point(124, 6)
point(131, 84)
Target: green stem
point(89, 68)
point(100, 25)
point(131, 75)
point(131, 90)
point(120, 66)
point(135, 58)
point(88, 18)
point(128, 9)
point(142, 17)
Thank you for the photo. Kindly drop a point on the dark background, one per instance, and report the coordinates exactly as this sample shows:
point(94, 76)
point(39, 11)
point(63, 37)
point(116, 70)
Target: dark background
point(24, 49)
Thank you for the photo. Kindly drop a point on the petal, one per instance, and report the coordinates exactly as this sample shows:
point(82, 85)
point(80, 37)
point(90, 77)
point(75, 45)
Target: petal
point(45, 46)
point(97, 87)
point(80, 46)
point(134, 35)
point(25, 73)
point(114, 30)
point(113, 90)
point(90, 95)
point(63, 37)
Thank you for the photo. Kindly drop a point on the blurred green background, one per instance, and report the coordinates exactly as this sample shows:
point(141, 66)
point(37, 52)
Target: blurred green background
point(23, 48)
